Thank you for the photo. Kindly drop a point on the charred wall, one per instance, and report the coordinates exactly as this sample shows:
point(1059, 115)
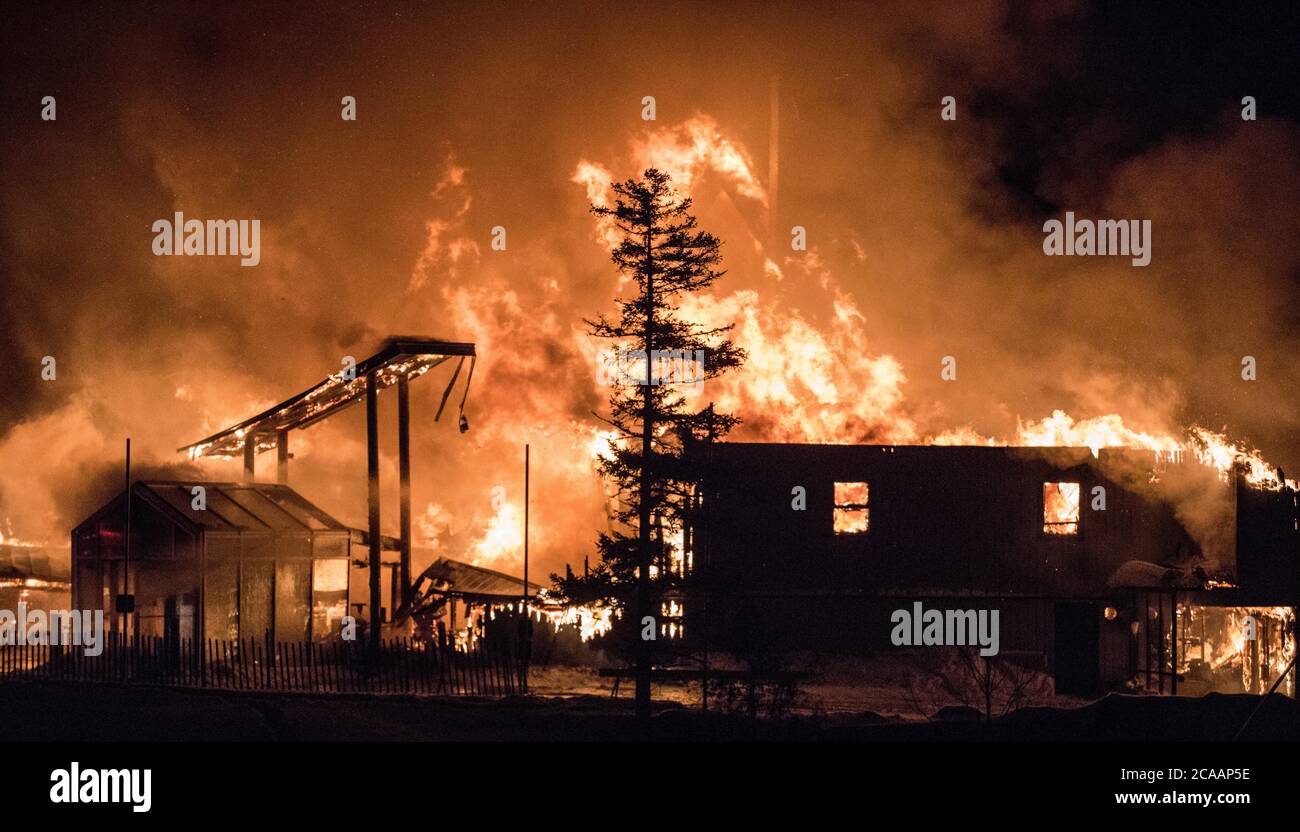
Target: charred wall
point(943, 519)
point(1268, 544)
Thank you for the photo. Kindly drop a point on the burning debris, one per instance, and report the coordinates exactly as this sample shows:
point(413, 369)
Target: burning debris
point(1235, 649)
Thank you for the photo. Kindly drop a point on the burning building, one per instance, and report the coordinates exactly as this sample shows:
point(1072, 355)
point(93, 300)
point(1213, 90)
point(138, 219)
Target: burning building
point(208, 560)
point(459, 598)
point(1109, 566)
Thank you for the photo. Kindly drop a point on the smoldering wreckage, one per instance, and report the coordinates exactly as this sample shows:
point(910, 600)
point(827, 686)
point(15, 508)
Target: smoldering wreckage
point(1182, 580)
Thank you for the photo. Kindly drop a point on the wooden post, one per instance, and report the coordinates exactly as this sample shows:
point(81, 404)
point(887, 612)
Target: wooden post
point(404, 473)
point(394, 592)
point(372, 467)
point(250, 458)
point(282, 457)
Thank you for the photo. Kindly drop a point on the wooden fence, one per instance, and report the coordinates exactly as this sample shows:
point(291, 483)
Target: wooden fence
point(489, 668)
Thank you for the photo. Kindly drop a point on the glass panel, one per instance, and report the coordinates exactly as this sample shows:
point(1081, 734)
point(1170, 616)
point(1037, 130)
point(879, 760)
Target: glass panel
point(330, 598)
point(331, 545)
point(292, 546)
point(221, 600)
point(231, 512)
point(88, 586)
point(255, 579)
point(156, 586)
point(262, 508)
point(296, 506)
point(292, 588)
point(182, 498)
point(183, 617)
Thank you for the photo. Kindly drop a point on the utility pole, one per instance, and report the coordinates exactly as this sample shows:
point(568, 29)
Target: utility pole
point(526, 528)
point(526, 622)
point(372, 467)
point(125, 603)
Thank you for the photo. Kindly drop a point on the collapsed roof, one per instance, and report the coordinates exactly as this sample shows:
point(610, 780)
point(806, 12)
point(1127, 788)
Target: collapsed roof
point(454, 577)
point(38, 563)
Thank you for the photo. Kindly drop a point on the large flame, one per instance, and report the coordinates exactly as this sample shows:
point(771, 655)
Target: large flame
point(805, 383)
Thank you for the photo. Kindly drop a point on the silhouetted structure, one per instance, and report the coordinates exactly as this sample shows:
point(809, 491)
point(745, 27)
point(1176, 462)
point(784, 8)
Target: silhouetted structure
point(257, 559)
point(1089, 592)
point(399, 361)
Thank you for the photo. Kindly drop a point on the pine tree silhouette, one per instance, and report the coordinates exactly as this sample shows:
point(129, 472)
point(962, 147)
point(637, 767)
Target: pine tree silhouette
point(665, 255)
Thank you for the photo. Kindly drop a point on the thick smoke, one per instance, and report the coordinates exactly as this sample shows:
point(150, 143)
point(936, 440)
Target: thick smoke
point(924, 242)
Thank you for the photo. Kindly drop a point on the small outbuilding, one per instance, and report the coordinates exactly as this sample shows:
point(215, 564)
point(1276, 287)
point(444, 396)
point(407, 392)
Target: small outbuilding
point(220, 561)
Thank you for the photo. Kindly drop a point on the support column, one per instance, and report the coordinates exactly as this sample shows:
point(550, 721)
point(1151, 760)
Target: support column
point(250, 458)
point(372, 468)
point(282, 457)
point(404, 473)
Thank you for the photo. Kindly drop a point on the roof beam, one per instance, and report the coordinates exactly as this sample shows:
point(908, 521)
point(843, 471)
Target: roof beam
point(400, 358)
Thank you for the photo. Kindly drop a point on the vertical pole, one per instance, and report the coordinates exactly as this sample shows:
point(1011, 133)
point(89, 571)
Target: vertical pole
point(282, 457)
point(526, 466)
point(394, 591)
point(250, 458)
point(526, 653)
point(404, 474)
point(372, 469)
point(126, 551)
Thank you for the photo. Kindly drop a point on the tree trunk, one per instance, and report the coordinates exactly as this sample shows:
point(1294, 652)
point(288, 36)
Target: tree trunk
point(643, 655)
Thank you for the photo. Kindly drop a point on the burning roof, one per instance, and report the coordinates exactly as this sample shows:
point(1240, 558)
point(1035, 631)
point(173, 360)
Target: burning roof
point(400, 358)
point(466, 579)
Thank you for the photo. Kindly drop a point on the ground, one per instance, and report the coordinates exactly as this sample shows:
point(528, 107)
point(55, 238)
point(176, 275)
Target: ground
point(903, 688)
point(76, 712)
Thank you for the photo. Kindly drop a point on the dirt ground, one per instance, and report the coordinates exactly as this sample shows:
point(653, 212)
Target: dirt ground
point(72, 712)
point(892, 688)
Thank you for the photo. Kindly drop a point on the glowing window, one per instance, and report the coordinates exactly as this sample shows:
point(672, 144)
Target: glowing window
point(851, 513)
point(1061, 507)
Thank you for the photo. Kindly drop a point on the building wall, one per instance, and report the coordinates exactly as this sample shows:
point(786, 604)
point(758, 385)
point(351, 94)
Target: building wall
point(950, 519)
